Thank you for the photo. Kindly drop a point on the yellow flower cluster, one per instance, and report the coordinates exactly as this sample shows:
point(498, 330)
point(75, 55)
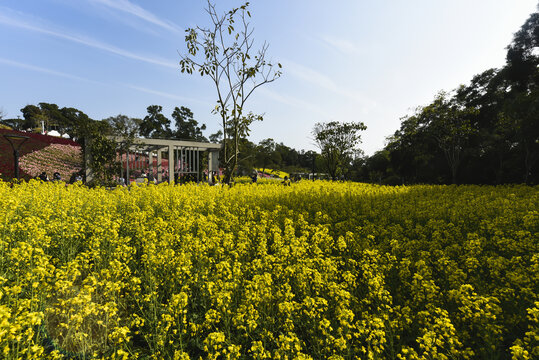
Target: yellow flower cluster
point(316, 270)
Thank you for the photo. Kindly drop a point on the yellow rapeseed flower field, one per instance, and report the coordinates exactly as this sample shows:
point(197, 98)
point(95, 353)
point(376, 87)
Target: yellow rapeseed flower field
point(316, 270)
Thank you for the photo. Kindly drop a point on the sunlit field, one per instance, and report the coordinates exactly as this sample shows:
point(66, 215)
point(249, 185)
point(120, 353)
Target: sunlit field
point(315, 270)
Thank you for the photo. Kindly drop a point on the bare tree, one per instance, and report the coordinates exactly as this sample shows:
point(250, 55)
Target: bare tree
point(228, 57)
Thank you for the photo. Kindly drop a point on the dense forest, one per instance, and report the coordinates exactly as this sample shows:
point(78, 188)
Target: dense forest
point(485, 132)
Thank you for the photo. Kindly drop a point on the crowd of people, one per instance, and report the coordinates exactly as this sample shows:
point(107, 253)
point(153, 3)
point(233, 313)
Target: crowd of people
point(75, 177)
point(213, 178)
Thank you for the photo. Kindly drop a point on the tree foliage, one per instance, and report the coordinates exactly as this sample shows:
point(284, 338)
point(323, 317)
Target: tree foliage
point(216, 137)
point(102, 162)
point(520, 121)
point(32, 117)
point(187, 127)
point(486, 131)
point(266, 154)
point(523, 55)
point(337, 143)
point(225, 53)
point(155, 124)
point(124, 127)
point(448, 122)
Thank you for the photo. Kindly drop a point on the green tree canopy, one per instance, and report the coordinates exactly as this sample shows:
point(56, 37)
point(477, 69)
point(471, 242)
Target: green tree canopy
point(155, 124)
point(32, 116)
point(266, 155)
point(485, 131)
point(187, 127)
point(337, 143)
point(448, 122)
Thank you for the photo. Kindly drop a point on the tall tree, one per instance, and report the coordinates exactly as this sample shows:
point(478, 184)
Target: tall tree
point(32, 116)
point(155, 124)
point(46, 117)
point(124, 126)
point(216, 137)
point(448, 122)
point(53, 117)
point(523, 55)
point(487, 131)
point(377, 166)
point(487, 149)
point(521, 116)
point(227, 56)
point(337, 143)
point(99, 152)
point(522, 106)
point(187, 127)
point(414, 153)
point(265, 153)
point(246, 162)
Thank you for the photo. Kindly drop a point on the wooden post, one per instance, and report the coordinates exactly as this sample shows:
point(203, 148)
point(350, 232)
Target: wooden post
point(170, 164)
point(159, 166)
point(150, 163)
point(88, 160)
point(127, 181)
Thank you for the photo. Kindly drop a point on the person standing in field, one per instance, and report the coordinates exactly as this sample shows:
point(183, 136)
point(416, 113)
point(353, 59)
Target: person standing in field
point(286, 181)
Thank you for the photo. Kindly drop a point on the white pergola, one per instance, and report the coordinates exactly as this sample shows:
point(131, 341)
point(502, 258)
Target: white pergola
point(186, 153)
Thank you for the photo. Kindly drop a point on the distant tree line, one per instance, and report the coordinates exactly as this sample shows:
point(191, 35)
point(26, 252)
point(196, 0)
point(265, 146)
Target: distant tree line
point(486, 132)
point(83, 129)
point(71, 121)
point(267, 154)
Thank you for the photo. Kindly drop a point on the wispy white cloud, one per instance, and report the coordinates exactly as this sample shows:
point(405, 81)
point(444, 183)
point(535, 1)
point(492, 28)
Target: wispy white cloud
point(44, 70)
point(127, 7)
point(345, 46)
point(293, 101)
point(78, 78)
point(167, 95)
point(16, 21)
point(326, 83)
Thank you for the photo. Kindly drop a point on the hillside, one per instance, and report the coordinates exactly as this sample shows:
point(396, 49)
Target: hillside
point(39, 153)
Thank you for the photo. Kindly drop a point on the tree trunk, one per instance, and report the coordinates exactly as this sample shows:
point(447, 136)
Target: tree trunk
point(454, 173)
point(499, 172)
point(529, 161)
point(230, 165)
point(453, 159)
point(527, 164)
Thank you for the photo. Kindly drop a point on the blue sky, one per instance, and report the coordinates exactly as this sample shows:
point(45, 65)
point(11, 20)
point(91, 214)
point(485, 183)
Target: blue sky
point(345, 60)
